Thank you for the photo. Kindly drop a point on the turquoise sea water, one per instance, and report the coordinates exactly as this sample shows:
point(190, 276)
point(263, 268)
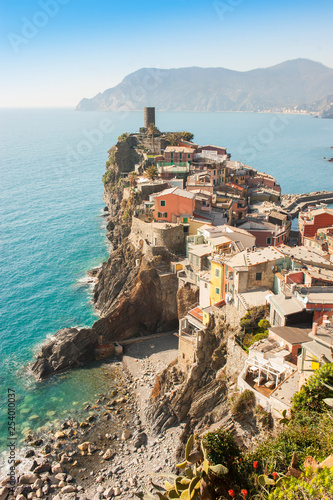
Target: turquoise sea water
point(52, 231)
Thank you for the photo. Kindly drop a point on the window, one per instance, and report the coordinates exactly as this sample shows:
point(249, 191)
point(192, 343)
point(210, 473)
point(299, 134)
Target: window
point(180, 156)
point(206, 285)
point(159, 215)
point(268, 241)
point(185, 219)
point(258, 276)
point(217, 291)
point(217, 273)
point(162, 203)
point(162, 215)
point(189, 156)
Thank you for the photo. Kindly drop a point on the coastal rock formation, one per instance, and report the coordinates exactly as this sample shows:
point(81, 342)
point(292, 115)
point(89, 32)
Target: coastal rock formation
point(69, 348)
point(199, 397)
point(135, 293)
point(133, 298)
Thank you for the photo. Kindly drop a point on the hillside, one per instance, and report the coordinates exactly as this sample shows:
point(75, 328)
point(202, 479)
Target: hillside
point(297, 83)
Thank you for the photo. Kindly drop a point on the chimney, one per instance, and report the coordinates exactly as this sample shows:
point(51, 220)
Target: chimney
point(314, 328)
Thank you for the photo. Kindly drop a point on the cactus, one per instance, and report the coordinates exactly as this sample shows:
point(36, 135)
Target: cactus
point(196, 476)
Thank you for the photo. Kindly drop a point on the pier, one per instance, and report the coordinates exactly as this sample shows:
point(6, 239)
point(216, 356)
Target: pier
point(299, 202)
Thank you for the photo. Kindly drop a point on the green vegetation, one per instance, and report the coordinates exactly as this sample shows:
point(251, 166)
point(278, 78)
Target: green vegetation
point(261, 474)
point(123, 137)
point(174, 137)
point(222, 449)
point(255, 326)
point(108, 177)
point(314, 485)
point(151, 172)
point(244, 403)
point(196, 481)
point(310, 399)
point(153, 130)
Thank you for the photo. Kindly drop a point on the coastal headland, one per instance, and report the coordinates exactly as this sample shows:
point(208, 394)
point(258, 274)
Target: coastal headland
point(168, 299)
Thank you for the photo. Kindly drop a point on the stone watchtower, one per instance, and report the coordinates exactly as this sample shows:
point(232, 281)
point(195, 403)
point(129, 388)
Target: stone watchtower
point(149, 115)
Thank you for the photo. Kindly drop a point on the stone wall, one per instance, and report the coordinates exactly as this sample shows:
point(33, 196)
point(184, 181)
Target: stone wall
point(153, 234)
point(148, 189)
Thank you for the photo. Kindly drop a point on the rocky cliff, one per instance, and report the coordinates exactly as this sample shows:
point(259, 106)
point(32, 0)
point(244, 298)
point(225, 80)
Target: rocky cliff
point(200, 397)
point(134, 295)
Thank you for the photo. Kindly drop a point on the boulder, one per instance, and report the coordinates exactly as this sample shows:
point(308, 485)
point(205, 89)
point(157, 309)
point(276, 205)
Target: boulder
point(28, 479)
point(69, 348)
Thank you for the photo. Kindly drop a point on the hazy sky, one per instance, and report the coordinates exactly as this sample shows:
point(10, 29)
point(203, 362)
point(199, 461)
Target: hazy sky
point(55, 52)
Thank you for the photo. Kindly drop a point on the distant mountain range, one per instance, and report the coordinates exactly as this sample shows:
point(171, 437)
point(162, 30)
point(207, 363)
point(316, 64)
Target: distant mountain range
point(299, 84)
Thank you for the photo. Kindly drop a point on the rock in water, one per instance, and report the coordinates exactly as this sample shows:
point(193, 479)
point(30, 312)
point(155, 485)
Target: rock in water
point(69, 348)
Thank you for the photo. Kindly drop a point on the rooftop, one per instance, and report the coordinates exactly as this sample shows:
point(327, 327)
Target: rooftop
point(307, 255)
point(286, 306)
point(197, 313)
point(178, 149)
point(177, 192)
point(200, 250)
point(255, 297)
point(317, 294)
point(247, 258)
point(290, 334)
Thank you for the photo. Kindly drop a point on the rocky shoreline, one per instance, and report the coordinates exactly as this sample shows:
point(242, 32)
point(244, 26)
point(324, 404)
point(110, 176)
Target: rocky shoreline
point(110, 452)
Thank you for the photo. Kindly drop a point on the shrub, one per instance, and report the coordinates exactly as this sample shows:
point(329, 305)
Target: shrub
point(275, 453)
point(314, 485)
point(310, 398)
point(264, 324)
point(123, 137)
point(244, 403)
point(221, 448)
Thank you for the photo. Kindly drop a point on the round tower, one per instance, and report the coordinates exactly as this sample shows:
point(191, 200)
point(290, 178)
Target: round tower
point(149, 116)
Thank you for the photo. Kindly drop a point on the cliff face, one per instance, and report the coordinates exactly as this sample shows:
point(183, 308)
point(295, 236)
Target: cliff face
point(200, 397)
point(133, 297)
point(135, 293)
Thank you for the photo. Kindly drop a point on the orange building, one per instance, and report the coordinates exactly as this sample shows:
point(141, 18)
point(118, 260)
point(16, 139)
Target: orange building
point(173, 203)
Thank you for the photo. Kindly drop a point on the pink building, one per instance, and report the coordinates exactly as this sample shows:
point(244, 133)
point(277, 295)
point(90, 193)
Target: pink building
point(177, 154)
point(173, 203)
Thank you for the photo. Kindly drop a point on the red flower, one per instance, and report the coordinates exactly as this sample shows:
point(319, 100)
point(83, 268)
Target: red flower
point(244, 493)
point(231, 493)
point(275, 475)
point(255, 464)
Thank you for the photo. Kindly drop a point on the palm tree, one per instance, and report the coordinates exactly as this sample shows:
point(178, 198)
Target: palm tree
point(151, 172)
point(152, 130)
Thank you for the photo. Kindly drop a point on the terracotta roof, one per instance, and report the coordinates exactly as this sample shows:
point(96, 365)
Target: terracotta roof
point(197, 313)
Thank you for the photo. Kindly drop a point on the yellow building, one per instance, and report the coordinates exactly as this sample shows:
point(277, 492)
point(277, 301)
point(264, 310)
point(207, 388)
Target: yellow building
point(216, 281)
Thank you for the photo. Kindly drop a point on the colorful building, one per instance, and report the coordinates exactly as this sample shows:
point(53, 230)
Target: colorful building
point(178, 154)
point(216, 280)
point(310, 221)
point(172, 204)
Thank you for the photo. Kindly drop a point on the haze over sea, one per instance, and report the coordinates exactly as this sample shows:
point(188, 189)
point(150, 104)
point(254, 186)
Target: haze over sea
point(52, 162)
